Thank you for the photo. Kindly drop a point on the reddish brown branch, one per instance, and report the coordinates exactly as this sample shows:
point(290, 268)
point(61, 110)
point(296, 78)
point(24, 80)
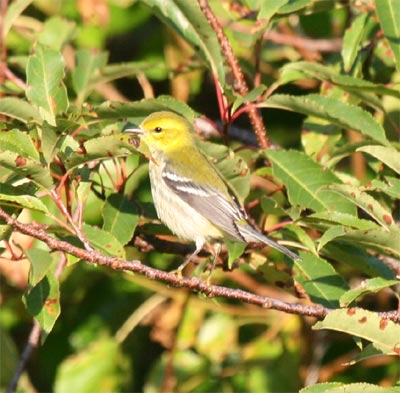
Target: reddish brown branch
point(192, 283)
point(239, 83)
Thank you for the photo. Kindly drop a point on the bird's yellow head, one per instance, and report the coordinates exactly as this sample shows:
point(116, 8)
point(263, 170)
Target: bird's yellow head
point(165, 131)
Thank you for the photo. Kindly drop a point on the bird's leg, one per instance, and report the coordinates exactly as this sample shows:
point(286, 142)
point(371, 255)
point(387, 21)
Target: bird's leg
point(199, 246)
point(215, 251)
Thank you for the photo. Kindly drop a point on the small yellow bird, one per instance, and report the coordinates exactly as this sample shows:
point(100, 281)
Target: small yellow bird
point(190, 196)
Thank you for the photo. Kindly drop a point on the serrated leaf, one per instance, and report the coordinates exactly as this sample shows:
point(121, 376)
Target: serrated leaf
point(303, 69)
point(15, 196)
point(389, 15)
point(304, 179)
point(320, 280)
point(333, 110)
point(102, 148)
point(103, 241)
point(388, 155)
point(365, 202)
point(364, 324)
point(27, 168)
point(391, 186)
point(347, 220)
point(380, 240)
point(352, 40)
point(120, 217)
point(366, 286)
point(19, 109)
point(41, 264)
point(323, 387)
point(46, 90)
point(140, 109)
point(43, 302)
point(19, 142)
point(338, 387)
point(187, 19)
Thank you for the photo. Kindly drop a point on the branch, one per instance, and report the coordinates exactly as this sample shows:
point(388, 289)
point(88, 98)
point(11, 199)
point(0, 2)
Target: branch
point(192, 283)
point(239, 83)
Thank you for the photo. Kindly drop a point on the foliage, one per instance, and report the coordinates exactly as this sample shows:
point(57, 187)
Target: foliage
point(324, 76)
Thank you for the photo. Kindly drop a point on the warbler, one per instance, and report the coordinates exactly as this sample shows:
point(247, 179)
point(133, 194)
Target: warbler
point(189, 194)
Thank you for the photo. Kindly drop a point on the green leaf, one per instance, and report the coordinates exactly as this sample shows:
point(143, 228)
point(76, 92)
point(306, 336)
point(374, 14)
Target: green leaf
point(333, 110)
point(187, 19)
point(320, 280)
point(371, 285)
point(19, 109)
point(14, 10)
point(347, 220)
point(251, 96)
point(87, 63)
point(269, 8)
point(235, 250)
point(358, 258)
point(388, 155)
point(339, 387)
point(304, 69)
point(352, 40)
point(389, 15)
point(96, 149)
point(56, 33)
point(18, 197)
point(216, 337)
point(365, 202)
point(97, 368)
point(120, 217)
point(380, 240)
point(140, 109)
point(111, 72)
point(391, 186)
point(43, 302)
point(103, 241)
point(27, 168)
point(364, 324)
point(19, 142)
point(50, 142)
point(41, 263)
point(304, 179)
point(46, 90)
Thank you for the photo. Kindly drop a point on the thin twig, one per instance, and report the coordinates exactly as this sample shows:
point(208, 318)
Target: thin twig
point(239, 83)
point(33, 342)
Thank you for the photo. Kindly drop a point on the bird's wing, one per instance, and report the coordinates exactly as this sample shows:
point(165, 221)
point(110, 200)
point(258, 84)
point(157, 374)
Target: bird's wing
point(221, 209)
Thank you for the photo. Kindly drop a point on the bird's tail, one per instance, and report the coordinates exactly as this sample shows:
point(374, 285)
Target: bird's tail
point(253, 235)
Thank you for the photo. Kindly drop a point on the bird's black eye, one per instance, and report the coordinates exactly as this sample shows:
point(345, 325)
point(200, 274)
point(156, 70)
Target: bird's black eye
point(158, 129)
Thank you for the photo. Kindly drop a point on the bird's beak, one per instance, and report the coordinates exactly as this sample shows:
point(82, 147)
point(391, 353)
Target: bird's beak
point(136, 130)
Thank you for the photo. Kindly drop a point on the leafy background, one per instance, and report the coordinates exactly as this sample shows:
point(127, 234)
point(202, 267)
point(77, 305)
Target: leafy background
point(324, 178)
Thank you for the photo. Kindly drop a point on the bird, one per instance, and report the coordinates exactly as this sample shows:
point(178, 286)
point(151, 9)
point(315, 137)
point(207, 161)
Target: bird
point(190, 196)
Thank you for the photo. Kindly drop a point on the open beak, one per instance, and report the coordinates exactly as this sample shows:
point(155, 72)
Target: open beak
point(135, 138)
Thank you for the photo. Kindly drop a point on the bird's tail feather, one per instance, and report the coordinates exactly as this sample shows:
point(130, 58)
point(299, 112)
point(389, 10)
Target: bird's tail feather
point(252, 235)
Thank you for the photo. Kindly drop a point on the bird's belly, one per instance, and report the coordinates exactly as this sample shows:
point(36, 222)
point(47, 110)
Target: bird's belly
point(179, 216)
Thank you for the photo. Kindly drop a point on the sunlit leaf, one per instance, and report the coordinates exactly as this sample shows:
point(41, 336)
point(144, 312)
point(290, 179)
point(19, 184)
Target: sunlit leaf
point(46, 90)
